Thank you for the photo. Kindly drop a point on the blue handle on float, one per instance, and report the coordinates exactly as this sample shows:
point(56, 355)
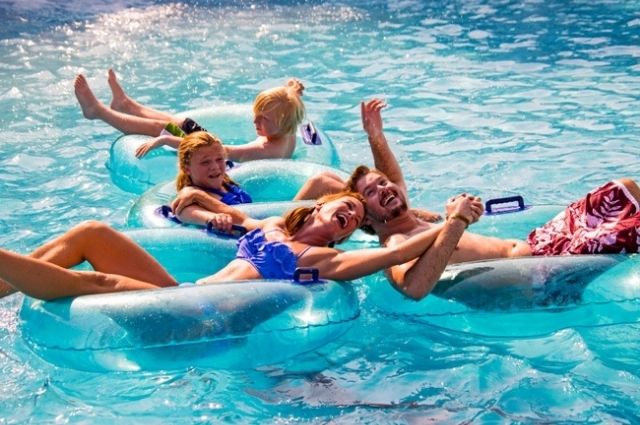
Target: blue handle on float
point(505, 205)
point(310, 135)
point(306, 276)
point(229, 164)
point(236, 231)
point(166, 212)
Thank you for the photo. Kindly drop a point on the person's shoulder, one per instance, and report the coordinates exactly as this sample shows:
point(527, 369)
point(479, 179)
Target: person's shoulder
point(274, 222)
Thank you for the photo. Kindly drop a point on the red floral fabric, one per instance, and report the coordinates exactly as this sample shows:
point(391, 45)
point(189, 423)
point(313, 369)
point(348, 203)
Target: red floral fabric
point(606, 221)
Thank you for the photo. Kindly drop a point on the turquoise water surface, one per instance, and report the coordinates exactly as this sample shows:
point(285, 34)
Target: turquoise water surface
point(493, 97)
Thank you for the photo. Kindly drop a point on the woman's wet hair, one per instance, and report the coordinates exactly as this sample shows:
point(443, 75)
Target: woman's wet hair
point(188, 146)
point(285, 102)
point(296, 218)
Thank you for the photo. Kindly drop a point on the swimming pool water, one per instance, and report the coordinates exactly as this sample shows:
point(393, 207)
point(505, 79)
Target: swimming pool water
point(488, 96)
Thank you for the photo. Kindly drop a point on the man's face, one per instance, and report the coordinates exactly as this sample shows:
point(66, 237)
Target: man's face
point(385, 199)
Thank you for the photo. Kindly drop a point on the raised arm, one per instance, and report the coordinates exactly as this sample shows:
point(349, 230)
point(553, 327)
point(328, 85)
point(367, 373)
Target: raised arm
point(416, 279)
point(383, 157)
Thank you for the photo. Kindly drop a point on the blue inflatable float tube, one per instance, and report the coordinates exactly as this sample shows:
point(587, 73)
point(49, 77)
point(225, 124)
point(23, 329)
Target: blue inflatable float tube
point(231, 123)
point(271, 183)
point(234, 325)
point(522, 297)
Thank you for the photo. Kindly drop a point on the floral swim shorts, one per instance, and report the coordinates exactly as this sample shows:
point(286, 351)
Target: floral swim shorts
point(605, 221)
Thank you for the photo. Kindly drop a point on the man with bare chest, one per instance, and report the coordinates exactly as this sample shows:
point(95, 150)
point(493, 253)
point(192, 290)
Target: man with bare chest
point(607, 220)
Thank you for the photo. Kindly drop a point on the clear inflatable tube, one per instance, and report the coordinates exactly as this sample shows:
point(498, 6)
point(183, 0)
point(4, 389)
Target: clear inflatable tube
point(232, 123)
point(227, 325)
point(526, 296)
point(271, 183)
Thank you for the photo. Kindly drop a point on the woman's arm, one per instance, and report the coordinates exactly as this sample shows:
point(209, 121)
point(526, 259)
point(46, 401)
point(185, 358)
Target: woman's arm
point(463, 210)
point(347, 265)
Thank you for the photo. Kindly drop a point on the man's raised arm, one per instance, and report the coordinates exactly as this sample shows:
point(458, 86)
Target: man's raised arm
point(383, 157)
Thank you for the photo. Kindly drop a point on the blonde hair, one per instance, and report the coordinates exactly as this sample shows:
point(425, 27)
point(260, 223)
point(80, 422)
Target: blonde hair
point(188, 146)
point(285, 102)
point(296, 218)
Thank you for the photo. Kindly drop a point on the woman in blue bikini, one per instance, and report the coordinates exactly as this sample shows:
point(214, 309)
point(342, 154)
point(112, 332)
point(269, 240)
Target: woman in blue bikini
point(272, 249)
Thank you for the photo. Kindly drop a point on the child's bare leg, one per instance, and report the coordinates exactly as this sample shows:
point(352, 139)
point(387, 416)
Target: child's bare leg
point(107, 250)
point(121, 102)
point(92, 108)
point(319, 185)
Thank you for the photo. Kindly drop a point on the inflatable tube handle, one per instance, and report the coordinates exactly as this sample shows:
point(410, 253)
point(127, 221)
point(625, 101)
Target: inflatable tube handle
point(229, 164)
point(491, 210)
point(237, 231)
point(312, 276)
point(310, 135)
point(166, 212)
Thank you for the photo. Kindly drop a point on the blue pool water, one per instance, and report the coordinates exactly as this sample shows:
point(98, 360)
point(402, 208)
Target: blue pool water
point(493, 97)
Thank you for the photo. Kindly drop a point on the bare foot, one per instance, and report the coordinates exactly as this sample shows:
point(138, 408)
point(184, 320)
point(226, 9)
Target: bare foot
point(87, 100)
point(119, 99)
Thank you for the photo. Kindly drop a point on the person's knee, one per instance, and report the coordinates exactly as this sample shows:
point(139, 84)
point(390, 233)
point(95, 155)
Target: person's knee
point(631, 186)
point(93, 226)
point(92, 230)
point(628, 183)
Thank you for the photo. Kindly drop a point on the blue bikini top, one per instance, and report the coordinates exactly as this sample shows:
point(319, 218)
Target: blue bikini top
point(233, 196)
point(272, 259)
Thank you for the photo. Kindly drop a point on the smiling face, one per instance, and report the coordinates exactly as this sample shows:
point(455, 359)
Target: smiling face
point(385, 199)
point(207, 167)
point(344, 215)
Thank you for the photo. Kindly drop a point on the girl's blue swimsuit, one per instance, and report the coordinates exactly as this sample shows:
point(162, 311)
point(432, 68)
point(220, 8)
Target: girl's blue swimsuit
point(233, 196)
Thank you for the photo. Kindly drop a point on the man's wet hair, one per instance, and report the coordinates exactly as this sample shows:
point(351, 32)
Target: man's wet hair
point(358, 173)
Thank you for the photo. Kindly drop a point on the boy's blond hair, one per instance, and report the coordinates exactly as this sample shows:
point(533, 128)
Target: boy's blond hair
point(285, 102)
